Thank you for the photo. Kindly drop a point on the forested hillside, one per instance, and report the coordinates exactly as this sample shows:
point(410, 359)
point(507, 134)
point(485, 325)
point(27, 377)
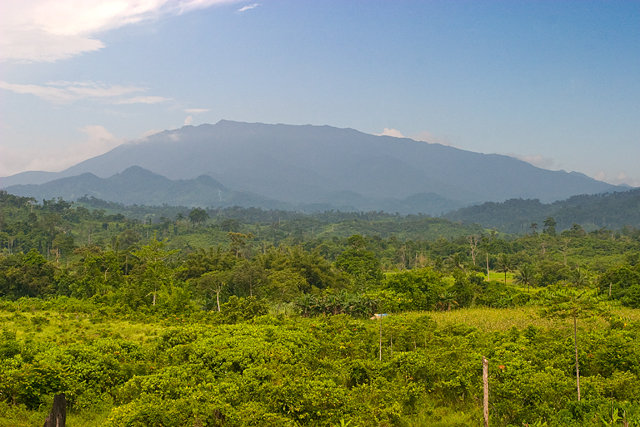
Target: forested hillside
point(251, 317)
point(608, 210)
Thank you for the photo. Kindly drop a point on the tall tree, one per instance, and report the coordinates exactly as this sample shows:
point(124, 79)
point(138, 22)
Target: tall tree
point(574, 304)
point(525, 275)
point(504, 265)
point(152, 271)
point(198, 216)
point(549, 226)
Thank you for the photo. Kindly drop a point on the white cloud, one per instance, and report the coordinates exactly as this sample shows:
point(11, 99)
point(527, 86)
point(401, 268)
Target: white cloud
point(248, 7)
point(98, 140)
point(196, 110)
point(188, 120)
point(51, 30)
point(68, 92)
point(391, 132)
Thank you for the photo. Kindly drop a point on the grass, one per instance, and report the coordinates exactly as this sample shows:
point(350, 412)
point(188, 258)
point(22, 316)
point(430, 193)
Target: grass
point(501, 319)
point(63, 328)
point(499, 277)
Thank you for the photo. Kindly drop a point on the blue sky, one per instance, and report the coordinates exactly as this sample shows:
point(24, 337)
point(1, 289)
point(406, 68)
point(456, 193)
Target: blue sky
point(556, 83)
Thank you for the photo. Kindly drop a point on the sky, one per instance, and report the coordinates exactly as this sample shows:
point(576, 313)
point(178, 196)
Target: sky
point(555, 83)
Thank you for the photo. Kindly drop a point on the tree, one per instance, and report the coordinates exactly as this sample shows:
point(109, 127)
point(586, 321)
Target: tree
point(198, 216)
point(549, 226)
point(239, 242)
point(473, 245)
point(152, 272)
point(362, 265)
point(570, 303)
point(246, 276)
point(284, 285)
point(525, 275)
point(214, 281)
point(504, 265)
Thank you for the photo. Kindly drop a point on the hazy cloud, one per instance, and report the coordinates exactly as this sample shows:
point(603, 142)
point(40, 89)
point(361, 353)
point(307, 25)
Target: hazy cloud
point(196, 110)
point(248, 7)
point(144, 100)
point(188, 120)
point(537, 160)
point(98, 140)
point(68, 92)
point(50, 30)
point(619, 179)
point(149, 133)
point(424, 136)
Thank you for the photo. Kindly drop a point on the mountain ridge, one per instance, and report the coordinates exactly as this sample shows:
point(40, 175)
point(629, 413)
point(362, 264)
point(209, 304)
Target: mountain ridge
point(308, 164)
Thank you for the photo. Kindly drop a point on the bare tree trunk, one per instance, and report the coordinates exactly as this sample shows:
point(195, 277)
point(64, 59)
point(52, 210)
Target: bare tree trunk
point(218, 299)
point(575, 343)
point(473, 244)
point(487, 266)
point(485, 386)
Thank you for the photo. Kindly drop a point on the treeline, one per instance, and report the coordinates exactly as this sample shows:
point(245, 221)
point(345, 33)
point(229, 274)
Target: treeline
point(140, 265)
point(609, 210)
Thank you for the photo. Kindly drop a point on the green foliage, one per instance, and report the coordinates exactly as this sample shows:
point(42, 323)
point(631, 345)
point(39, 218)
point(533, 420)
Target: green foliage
point(264, 318)
point(423, 287)
point(240, 309)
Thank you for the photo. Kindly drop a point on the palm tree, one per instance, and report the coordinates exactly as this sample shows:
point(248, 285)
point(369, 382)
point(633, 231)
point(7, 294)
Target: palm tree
point(525, 275)
point(504, 265)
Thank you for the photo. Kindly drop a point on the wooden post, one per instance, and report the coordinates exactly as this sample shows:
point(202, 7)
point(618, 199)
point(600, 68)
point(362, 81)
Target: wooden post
point(575, 344)
point(58, 415)
point(485, 383)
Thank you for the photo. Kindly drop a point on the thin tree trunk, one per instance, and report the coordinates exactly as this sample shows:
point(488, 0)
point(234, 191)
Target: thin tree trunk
point(380, 339)
point(575, 342)
point(485, 386)
point(487, 266)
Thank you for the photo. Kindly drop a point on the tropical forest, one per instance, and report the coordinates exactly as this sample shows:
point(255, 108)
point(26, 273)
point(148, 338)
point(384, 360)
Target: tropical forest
point(169, 316)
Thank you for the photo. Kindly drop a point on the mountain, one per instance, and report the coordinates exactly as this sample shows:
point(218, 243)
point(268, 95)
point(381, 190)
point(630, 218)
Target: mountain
point(136, 185)
point(612, 210)
point(327, 166)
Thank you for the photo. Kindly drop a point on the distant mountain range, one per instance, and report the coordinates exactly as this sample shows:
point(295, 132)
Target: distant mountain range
point(300, 167)
point(136, 185)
